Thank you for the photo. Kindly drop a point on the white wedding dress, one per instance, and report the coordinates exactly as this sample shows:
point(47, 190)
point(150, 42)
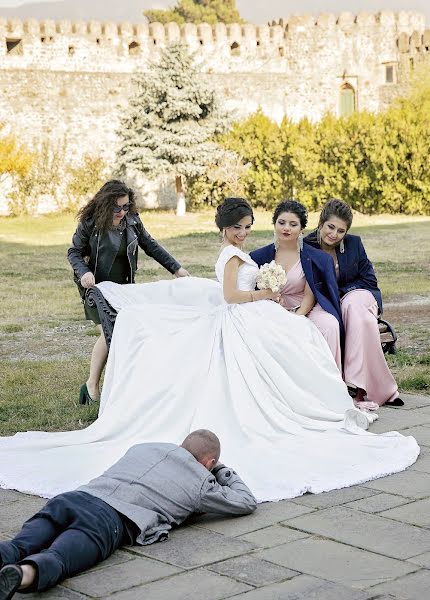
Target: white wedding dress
point(261, 378)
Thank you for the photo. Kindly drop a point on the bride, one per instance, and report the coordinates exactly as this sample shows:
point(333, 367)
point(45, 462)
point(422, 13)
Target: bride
point(194, 353)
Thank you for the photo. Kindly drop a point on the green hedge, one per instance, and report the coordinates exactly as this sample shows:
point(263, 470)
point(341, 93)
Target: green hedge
point(375, 162)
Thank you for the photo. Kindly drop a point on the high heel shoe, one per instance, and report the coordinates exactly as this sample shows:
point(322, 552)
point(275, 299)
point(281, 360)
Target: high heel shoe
point(84, 396)
point(396, 403)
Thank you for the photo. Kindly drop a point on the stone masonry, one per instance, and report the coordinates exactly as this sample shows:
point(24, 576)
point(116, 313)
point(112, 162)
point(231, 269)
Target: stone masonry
point(366, 542)
point(70, 81)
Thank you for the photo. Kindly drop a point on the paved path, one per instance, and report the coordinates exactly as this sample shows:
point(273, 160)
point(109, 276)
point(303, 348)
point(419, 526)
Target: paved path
point(360, 543)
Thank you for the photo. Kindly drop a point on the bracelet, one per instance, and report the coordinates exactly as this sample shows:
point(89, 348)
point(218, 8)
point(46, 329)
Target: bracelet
point(252, 296)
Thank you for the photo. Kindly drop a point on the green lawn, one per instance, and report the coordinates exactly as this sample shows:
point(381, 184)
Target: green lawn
point(45, 343)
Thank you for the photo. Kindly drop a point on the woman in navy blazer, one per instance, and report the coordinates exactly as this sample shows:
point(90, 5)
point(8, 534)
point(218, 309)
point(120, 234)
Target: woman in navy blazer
point(311, 287)
point(365, 367)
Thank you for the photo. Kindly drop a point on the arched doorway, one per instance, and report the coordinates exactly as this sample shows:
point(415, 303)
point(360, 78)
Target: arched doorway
point(346, 100)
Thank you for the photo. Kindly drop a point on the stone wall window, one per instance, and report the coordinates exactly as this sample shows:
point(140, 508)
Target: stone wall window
point(347, 101)
point(71, 50)
point(389, 74)
point(235, 49)
point(14, 46)
point(134, 49)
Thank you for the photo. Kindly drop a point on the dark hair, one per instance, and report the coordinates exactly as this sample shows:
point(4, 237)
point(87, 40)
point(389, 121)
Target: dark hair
point(294, 207)
point(336, 208)
point(101, 206)
point(231, 211)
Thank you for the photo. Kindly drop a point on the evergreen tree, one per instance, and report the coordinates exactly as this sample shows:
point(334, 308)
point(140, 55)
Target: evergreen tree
point(171, 122)
point(197, 11)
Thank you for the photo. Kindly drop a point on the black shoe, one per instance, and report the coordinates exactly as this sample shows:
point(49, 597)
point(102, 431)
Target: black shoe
point(10, 580)
point(352, 390)
point(395, 403)
point(84, 397)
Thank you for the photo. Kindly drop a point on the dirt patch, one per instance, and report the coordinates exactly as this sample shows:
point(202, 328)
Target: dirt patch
point(49, 343)
point(410, 316)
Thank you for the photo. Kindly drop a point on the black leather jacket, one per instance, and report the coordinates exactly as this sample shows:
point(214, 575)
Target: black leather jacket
point(94, 252)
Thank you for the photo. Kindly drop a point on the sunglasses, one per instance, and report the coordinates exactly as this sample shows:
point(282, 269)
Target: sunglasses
point(118, 209)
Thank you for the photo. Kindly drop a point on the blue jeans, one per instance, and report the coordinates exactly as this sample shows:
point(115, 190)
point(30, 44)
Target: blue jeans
point(71, 533)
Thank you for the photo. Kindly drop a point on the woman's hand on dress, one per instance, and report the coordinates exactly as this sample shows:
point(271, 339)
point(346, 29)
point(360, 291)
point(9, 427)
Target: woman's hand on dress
point(275, 296)
point(87, 280)
point(182, 273)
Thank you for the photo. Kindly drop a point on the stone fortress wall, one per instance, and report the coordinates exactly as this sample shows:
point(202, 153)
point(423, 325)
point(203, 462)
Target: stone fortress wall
point(70, 81)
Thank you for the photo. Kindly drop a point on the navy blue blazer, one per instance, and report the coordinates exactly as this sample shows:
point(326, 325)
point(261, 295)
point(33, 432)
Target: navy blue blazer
point(355, 269)
point(319, 273)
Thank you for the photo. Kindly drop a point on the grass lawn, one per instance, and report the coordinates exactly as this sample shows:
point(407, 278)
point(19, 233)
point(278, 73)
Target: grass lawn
point(45, 342)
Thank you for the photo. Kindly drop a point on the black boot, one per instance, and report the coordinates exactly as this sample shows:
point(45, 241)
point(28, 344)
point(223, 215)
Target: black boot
point(10, 580)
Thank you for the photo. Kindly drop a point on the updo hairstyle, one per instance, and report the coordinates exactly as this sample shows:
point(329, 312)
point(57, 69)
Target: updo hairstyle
point(231, 211)
point(336, 208)
point(291, 206)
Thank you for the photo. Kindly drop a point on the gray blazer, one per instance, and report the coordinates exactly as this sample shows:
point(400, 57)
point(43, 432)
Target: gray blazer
point(158, 486)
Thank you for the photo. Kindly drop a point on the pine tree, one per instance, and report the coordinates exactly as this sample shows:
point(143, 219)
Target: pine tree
point(171, 122)
point(197, 11)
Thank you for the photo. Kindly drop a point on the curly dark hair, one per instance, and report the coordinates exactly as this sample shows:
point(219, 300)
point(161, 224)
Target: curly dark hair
point(231, 211)
point(100, 208)
point(336, 208)
point(291, 206)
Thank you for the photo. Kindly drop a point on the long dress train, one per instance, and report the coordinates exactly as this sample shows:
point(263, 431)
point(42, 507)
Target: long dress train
point(262, 379)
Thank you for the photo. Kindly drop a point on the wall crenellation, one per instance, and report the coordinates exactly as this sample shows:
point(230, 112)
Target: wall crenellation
point(418, 42)
point(299, 66)
point(156, 34)
point(404, 19)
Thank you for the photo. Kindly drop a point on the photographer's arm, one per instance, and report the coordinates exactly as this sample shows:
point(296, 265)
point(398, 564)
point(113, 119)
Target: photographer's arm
point(224, 492)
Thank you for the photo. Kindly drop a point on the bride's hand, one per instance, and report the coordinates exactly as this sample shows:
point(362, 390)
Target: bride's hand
point(275, 296)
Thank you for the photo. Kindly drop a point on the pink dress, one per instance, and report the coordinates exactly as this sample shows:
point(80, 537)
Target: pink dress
point(292, 295)
point(364, 361)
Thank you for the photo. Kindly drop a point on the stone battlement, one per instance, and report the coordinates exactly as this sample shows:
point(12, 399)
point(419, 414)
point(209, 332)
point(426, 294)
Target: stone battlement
point(171, 32)
point(418, 42)
point(69, 82)
point(122, 47)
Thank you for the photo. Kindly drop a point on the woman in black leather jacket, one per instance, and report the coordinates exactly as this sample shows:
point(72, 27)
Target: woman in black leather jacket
point(104, 248)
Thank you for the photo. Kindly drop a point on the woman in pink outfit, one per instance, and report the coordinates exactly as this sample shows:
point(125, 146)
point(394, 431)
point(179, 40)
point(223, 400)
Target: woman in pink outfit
point(311, 288)
point(364, 363)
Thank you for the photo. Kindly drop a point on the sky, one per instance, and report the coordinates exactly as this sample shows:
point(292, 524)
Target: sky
point(257, 11)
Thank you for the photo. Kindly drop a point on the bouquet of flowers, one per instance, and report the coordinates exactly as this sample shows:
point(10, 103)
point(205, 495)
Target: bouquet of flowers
point(271, 276)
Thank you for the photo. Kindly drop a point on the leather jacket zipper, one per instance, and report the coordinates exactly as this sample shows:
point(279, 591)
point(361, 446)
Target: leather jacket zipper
point(129, 261)
point(97, 254)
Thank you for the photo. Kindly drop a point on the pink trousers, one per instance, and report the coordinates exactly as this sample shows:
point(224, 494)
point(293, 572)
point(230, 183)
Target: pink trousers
point(328, 326)
point(364, 361)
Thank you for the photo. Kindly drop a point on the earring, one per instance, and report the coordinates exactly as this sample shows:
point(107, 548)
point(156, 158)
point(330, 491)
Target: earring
point(341, 247)
point(319, 237)
point(223, 235)
point(300, 242)
point(276, 241)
